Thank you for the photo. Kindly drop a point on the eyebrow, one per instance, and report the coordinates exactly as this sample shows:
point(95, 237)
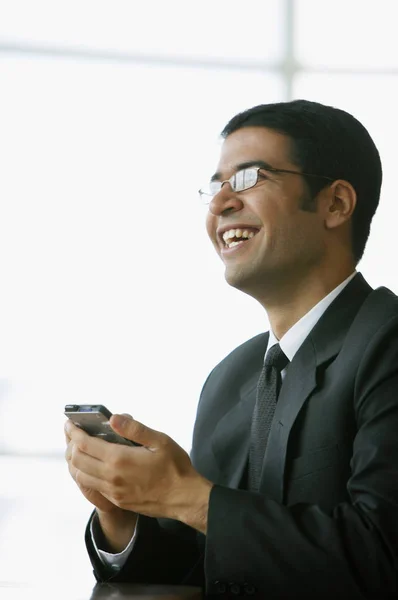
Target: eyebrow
point(245, 165)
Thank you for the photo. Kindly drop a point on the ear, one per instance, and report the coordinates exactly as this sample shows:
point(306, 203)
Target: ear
point(340, 203)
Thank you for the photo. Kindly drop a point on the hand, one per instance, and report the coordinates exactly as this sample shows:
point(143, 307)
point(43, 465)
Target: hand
point(156, 479)
point(117, 525)
point(93, 496)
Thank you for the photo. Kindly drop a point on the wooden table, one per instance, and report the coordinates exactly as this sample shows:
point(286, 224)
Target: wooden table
point(105, 591)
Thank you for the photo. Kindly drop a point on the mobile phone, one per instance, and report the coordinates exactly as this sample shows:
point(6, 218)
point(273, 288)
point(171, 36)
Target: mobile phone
point(94, 419)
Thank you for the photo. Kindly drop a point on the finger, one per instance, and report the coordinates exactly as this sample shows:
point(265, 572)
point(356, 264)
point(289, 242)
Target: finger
point(136, 432)
point(72, 471)
point(70, 427)
point(87, 464)
point(68, 456)
point(71, 468)
point(89, 444)
point(68, 451)
point(66, 431)
point(84, 480)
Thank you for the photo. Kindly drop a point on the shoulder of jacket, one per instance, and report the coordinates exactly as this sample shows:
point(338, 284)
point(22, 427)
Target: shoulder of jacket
point(256, 344)
point(377, 315)
point(381, 303)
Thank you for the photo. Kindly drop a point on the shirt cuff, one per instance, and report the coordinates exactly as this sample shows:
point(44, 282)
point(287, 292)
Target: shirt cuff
point(114, 561)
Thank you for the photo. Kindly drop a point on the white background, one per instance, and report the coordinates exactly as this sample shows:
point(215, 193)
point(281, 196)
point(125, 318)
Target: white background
point(110, 292)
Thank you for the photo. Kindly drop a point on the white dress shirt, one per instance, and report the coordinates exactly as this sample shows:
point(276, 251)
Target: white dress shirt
point(289, 343)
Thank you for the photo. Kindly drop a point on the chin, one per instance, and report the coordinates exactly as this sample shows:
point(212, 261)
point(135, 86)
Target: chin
point(238, 279)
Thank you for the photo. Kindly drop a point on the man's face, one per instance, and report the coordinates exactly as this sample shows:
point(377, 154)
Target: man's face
point(287, 241)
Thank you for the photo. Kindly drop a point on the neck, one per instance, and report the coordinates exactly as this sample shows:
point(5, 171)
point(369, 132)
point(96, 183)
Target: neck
point(293, 300)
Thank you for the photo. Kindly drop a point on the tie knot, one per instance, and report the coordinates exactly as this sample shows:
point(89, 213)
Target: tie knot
point(275, 357)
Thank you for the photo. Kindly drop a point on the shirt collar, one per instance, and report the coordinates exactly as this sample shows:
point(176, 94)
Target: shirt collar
point(296, 335)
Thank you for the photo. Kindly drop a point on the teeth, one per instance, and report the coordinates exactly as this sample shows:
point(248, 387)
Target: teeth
point(236, 233)
point(228, 234)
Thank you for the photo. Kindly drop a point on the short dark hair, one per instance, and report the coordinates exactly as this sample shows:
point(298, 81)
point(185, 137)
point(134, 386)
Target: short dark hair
point(325, 141)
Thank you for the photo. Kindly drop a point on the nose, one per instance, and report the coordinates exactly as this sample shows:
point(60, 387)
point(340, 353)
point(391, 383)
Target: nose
point(226, 200)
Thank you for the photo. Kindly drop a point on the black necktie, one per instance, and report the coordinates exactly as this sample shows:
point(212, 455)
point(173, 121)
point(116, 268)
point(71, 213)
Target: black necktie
point(267, 394)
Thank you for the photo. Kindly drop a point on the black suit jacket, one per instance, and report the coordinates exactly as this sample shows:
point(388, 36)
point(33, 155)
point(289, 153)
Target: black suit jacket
point(325, 521)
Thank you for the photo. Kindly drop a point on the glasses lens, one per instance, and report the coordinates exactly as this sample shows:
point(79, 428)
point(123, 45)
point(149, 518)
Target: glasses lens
point(244, 179)
point(214, 187)
point(207, 192)
point(204, 197)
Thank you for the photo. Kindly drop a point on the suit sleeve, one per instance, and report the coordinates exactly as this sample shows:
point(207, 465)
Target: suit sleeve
point(165, 552)
point(302, 551)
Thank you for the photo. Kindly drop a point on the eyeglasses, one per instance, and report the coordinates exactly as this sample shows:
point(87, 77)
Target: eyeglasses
point(246, 179)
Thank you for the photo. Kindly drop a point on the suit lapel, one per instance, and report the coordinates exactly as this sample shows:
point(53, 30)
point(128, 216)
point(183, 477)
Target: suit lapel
point(231, 437)
point(231, 443)
point(322, 345)
point(299, 383)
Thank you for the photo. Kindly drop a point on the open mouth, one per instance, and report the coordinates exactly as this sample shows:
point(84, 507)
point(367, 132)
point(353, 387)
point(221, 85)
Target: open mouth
point(235, 237)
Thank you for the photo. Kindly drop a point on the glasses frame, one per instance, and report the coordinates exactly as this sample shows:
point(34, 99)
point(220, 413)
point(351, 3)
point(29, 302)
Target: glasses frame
point(204, 195)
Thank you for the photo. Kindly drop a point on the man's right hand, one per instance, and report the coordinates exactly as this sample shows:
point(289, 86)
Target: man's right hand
point(118, 525)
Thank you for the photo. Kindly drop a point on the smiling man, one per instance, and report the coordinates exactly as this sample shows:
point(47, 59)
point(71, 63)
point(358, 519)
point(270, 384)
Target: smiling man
point(297, 250)
point(291, 490)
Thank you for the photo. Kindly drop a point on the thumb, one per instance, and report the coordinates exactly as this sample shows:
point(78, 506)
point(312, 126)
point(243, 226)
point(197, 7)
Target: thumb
point(134, 430)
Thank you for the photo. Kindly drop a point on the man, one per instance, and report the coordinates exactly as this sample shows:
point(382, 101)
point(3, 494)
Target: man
point(293, 486)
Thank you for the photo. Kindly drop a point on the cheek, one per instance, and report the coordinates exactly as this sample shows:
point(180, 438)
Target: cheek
point(211, 227)
point(302, 236)
point(284, 233)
